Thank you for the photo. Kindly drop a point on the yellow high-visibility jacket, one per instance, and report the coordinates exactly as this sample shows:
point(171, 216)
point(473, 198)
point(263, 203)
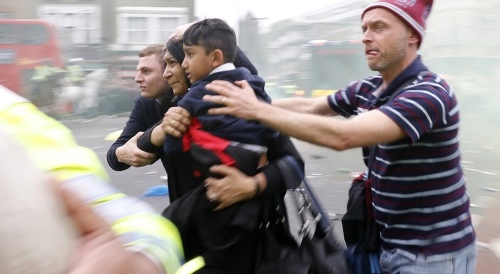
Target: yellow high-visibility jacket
point(53, 148)
point(74, 73)
point(44, 71)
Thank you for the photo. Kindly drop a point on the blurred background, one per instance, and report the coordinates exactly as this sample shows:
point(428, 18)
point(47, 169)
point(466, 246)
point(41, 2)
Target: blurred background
point(76, 60)
point(58, 52)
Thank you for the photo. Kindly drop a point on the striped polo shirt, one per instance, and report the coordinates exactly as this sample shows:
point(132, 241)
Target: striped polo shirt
point(418, 188)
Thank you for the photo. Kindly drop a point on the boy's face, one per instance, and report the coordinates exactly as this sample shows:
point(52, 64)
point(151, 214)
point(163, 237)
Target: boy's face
point(197, 64)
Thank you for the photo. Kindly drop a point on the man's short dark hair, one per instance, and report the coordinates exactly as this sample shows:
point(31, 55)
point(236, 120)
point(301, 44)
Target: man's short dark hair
point(212, 34)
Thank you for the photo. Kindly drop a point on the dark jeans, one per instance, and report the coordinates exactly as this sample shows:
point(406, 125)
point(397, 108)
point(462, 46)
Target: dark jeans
point(238, 259)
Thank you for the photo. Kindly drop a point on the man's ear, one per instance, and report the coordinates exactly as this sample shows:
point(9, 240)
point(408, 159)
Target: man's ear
point(413, 38)
point(218, 58)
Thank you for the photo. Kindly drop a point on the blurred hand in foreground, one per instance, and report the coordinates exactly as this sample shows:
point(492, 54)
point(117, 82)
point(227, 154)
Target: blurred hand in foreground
point(100, 250)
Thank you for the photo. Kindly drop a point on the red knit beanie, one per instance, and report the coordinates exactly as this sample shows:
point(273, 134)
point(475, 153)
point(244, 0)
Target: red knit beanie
point(413, 12)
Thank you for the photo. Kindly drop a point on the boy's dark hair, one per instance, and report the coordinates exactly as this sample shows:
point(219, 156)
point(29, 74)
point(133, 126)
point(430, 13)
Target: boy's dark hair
point(212, 34)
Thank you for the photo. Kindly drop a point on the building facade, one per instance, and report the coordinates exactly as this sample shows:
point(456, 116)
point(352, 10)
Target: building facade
point(104, 30)
point(288, 39)
point(461, 39)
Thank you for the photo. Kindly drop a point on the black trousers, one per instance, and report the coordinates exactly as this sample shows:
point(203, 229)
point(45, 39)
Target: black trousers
point(238, 259)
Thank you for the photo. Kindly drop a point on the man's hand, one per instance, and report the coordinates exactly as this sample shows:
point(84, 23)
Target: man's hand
point(238, 99)
point(131, 155)
point(100, 250)
point(234, 187)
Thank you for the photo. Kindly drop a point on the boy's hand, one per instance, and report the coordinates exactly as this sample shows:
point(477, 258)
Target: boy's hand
point(176, 121)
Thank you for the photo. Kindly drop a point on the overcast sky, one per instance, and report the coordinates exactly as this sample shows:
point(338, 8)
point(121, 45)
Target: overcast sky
point(268, 11)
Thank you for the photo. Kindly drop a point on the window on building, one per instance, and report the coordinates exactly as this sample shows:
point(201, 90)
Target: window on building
point(81, 25)
point(166, 25)
point(147, 25)
point(88, 28)
point(136, 29)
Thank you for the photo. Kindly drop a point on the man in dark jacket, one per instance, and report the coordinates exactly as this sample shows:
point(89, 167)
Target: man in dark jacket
point(156, 95)
point(156, 98)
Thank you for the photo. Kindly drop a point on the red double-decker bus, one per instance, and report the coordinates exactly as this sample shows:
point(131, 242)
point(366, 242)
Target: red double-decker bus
point(24, 45)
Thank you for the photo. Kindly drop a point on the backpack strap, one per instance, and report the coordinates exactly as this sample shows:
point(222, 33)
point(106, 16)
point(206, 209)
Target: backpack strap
point(373, 148)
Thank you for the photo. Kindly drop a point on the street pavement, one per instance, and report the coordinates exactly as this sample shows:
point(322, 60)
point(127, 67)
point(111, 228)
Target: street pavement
point(488, 232)
point(328, 172)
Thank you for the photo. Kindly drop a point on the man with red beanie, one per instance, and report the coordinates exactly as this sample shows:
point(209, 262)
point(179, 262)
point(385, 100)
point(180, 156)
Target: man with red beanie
point(412, 12)
point(409, 118)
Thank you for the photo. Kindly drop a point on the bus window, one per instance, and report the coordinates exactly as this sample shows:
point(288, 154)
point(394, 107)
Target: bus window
point(7, 34)
point(23, 34)
point(33, 34)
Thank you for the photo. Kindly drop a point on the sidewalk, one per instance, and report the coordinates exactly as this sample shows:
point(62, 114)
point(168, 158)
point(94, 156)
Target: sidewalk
point(488, 239)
